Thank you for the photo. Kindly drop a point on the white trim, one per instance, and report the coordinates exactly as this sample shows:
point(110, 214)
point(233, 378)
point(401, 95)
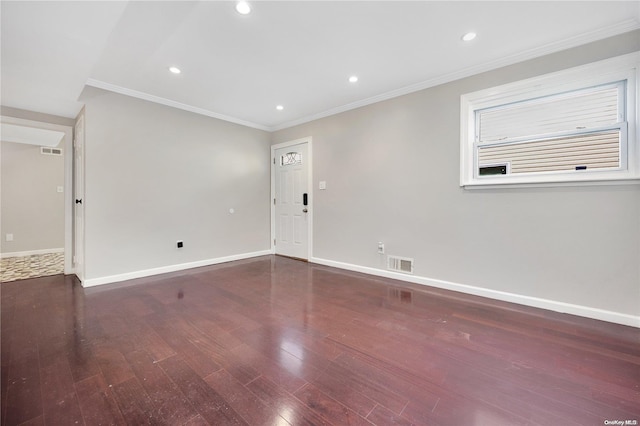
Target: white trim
point(31, 252)
point(624, 67)
point(79, 172)
point(308, 140)
point(553, 184)
point(600, 34)
point(170, 268)
point(68, 181)
point(536, 302)
point(582, 39)
point(171, 103)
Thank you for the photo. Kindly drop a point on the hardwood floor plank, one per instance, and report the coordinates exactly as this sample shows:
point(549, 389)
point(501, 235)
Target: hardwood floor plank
point(113, 365)
point(4, 384)
point(382, 416)
point(38, 421)
point(60, 404)
point(288, 372)
point(24, 397)
point(371, 388)
point(328, 408)
point(135, 404)
point(276, 341)
point(288, 407)
point(397, 380)
point(244, 402)
point(97, 402)
point(222, 357)
point(340, 388)
point(209, 404)
point(83, 362)
point(147, 339)
point(171, 405)
point(453, 411)
point(65, 411)
point(213, 331)
point(175, 334)
point(196, 421)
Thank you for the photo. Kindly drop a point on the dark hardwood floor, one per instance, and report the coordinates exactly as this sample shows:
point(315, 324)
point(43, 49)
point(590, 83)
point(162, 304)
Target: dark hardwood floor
point(274, 341)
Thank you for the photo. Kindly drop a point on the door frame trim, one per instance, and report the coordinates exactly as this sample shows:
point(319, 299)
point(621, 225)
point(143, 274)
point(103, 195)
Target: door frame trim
point(78, 231)
point(308, 140)
point(68, 180)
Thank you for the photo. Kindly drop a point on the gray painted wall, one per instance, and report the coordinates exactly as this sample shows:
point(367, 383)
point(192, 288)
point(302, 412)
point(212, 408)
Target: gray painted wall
point(155, 175)
point(32, 209)
point(392, 173)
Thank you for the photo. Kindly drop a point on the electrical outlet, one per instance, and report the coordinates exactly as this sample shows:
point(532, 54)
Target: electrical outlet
point(9, 237)
point(380, 248)
point(179, 244)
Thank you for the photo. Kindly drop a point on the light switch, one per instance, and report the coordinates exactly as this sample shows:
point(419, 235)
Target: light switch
point(61, 189)
point(322, 185)
point(9, 237)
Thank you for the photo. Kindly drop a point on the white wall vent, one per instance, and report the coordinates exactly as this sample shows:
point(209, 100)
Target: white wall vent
point(400, 264)
point(50, 151)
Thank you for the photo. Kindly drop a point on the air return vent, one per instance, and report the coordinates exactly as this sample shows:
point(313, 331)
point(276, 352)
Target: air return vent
point(400, 264)
point(50, 151)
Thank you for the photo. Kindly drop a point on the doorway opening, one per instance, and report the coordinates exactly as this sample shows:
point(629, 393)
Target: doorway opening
point(36, 236)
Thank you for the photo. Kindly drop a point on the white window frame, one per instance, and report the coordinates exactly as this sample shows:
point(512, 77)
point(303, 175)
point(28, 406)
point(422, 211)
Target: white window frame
point(622, 68)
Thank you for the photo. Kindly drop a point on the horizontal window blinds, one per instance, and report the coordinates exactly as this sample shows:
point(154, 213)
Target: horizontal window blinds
point(575, 111)
point(587, 151)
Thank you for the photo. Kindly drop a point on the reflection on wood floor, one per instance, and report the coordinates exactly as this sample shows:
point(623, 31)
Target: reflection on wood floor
point(275, 341)
point(37, 265)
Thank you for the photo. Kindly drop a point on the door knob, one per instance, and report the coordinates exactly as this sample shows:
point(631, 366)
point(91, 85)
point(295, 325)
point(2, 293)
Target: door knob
point(304, 210)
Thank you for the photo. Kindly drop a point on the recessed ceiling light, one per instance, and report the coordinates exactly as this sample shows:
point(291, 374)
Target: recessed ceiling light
point(243, 8)
point(469, 36)
point(353, 79)
point(175, 70)
point(279, 107)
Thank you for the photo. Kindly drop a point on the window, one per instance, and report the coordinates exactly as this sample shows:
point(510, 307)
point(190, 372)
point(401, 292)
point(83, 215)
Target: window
point(290, 159)
point(576, 125)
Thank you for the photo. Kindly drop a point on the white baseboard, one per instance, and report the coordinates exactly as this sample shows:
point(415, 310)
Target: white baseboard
point(552, 305)
point(170, 268)
point(31, 252)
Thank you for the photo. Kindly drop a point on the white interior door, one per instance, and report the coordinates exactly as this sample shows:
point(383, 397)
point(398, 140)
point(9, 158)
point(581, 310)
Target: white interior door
point(292, 203)
point(78, 185)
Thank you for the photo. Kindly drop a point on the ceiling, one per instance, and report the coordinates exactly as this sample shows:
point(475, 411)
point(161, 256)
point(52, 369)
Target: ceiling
point(295, 54)
point(30, 135)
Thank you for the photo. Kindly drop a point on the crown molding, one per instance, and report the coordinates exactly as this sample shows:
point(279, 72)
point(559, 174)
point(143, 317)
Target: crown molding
point(171, 103)
point(585, 38)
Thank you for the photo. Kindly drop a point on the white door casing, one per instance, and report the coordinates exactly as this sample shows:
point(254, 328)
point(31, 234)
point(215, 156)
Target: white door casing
point(291, 217)
point(78, 185)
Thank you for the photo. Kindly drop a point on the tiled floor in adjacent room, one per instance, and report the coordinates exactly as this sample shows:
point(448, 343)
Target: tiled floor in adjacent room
point(32, 266)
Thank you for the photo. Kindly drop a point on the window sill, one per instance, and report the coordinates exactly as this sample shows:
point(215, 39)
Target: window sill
point(550, 184)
